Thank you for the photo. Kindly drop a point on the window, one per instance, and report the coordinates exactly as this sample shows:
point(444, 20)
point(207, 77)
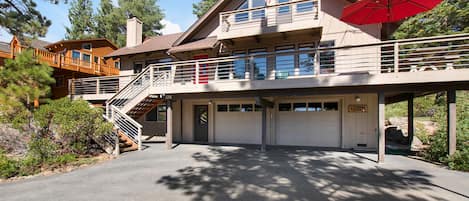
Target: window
point(314, 107)
point(327, 57)
point(260, 63)
point(117, 64)
point(331, 106)
point(86, 46)
point(157, 114)
point(138, 67)
point(283, 10)
point(258, 108)
point(222, 108)
point(304, 7)
point(235, 108)
point(239, 65)
point(256, 14)
point(246, 108)
point(284, 107)
point(86, 58)
point(299, 107)
point(306, 60)
point(284, 63)
point(76, 56)
point(96, 59)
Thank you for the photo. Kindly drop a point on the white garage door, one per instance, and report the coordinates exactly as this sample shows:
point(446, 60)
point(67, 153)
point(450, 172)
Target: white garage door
point(238, 123)
point(309, 124)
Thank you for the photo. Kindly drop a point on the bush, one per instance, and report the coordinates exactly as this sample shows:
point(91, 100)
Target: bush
point(8, 167)
point(422, 133)
point(460, 160)
point(74, 123)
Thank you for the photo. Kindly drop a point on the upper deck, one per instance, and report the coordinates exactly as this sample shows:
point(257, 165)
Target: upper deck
point(420, 60)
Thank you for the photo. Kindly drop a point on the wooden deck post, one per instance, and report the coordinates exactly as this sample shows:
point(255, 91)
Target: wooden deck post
point(410, 119)
point(451, 116)
point(169, 124)
point(381, 128)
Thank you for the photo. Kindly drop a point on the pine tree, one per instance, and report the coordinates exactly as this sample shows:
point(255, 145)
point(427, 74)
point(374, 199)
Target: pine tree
point(20, 18)
point(81, 19)
point(202, 7)
point(450, 17)
point(146, 10)
point(106, 24)
point(22, 80)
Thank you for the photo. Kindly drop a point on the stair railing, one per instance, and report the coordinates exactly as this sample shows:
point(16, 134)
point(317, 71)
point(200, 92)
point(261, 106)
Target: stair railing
point(127, 125)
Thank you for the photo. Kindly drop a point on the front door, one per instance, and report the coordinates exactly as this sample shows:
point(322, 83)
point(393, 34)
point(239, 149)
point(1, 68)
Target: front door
point(201, 123)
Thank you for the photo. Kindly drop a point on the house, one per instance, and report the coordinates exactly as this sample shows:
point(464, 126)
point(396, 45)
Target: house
point(274, 73)
point(70, 59)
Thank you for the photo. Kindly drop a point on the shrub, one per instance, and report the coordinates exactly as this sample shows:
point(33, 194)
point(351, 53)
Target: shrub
point(74, 123)
point(8, 167)
point(422, 133)
point(460, 160)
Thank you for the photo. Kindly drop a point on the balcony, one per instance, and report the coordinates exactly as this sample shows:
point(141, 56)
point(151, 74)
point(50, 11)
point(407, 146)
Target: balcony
point(60, 61)
point(412, 61)
point(283, 17)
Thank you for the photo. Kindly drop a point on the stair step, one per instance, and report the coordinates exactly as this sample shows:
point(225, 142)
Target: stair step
point(127, 149)
point(125, 144)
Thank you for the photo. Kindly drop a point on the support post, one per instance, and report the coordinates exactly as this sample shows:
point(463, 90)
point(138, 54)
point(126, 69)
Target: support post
point(410, 119)
point(169, 124)
point(396, 57)
point(264, 128)
point(381, 129)
point(451, 116)
point(197, 72)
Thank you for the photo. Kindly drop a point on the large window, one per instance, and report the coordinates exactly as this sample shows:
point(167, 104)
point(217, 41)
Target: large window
point(284, 62)
point(239, 65)
point(157, 114)
point(306, 59)
point(86, 58)
point(259, 62)
point(76, 56)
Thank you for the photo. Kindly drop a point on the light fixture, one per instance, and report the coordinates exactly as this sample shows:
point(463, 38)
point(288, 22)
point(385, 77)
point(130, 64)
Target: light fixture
point(210, 102)
point(358, 99)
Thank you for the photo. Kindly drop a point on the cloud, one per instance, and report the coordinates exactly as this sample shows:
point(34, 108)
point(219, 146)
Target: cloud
point(170, 27)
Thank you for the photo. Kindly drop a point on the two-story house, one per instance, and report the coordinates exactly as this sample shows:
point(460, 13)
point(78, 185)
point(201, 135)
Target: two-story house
point(280, 72)
point(70, 59)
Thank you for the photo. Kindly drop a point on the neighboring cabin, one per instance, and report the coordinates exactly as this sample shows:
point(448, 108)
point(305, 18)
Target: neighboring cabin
point(70, 59)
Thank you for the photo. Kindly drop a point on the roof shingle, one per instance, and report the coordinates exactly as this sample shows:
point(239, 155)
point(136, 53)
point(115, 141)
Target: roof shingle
point(156, 43)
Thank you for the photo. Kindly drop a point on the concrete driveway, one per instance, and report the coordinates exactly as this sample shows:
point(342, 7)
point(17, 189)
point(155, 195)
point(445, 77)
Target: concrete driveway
point(198, 172)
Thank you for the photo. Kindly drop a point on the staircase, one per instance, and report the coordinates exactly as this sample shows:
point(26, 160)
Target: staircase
point(131, 102)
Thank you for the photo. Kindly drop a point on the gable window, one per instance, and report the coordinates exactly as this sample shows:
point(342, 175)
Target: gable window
point(157, 114)
point(250, 4)
point(86, 46)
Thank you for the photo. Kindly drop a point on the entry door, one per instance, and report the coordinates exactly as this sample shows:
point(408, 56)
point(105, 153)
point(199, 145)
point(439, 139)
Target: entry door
point(201, 123)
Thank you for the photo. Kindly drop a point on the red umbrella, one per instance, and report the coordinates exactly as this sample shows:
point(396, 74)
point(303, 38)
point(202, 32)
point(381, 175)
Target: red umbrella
point(381, 11)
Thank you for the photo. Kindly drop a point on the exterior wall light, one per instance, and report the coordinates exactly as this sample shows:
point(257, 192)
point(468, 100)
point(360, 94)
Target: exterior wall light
point(358, 99)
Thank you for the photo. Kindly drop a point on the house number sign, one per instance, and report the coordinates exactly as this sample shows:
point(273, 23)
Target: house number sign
point(359, 108)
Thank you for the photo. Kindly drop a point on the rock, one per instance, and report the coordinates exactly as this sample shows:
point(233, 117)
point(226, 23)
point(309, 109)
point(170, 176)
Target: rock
point(13, 141)
point(417, 144)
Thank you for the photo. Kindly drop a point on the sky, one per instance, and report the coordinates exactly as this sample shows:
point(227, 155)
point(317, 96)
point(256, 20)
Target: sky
point(178, 17)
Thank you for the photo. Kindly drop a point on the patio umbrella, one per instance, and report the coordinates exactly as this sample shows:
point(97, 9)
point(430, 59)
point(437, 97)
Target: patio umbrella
point(381, 11)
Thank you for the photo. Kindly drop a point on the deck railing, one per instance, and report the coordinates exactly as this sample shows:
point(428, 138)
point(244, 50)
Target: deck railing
point(270, 15)
point(57, 60)
point(399, 56)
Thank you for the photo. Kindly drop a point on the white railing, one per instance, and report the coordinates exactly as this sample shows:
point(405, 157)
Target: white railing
point(399, 56)
point(126, 125)
point(270, 15)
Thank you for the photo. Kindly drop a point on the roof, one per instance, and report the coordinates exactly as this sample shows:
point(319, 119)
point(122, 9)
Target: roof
point(155, 43)
point(34, 43)
point(206, 43)
point(50, 45)
point(5, 47)
point(202, 20)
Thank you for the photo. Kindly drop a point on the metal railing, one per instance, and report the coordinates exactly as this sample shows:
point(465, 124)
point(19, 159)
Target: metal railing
point(127, 125)
point(270, 15)
point(99, 85)
point(399, 56)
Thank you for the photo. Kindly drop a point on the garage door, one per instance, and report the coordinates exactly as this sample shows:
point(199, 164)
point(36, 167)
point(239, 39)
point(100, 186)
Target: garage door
point(238, 123)
point(309, 124)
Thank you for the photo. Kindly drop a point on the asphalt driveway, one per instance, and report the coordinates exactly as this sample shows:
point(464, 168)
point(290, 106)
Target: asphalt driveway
point(198, 172)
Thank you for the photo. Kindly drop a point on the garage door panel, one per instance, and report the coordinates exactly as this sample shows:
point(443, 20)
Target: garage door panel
point(238, 127)
point(321, 129)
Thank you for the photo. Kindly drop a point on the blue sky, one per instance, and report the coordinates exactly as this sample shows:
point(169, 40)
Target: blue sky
point(178, 17)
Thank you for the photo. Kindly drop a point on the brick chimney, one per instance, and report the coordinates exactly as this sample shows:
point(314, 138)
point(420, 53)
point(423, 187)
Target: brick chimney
point(134, 32)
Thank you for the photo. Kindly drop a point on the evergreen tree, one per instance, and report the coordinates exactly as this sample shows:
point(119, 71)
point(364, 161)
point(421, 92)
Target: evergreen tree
point(106, 24)
point(146, 10)
point(22, 80)
point(80, 15)
point(21, 18)
point(202, 7)
point(450, 17)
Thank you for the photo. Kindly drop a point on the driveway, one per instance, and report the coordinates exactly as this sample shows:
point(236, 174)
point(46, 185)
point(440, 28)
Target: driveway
point(199, 172)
